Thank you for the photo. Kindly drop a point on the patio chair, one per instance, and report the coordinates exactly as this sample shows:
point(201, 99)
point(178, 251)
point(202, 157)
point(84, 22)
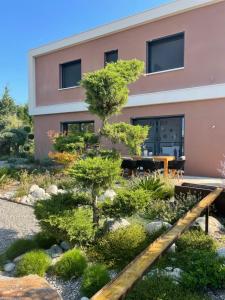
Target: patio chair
point(177, 168)
point(130, 166)
point(149, 166)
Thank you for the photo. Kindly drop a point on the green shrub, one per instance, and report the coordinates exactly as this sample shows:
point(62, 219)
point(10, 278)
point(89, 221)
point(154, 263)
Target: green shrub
point(19, 247)
point(118, 248)
point(162, 288)
point(34, 262)
point(72, 264)
point(44, 240)
point(126, 203)
point(61, 218)
point(156, 186)
point(170, 210)
point(94, 278)
point(194, 239)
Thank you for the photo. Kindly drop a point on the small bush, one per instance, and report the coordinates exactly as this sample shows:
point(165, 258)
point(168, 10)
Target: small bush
point(162, 288)
point(61, 218)
point(44, 240)
point(95, 277)
point(194, 239)
point(34, 262)
point(126, 203)
point(118, 248)
point(72, 264)
point(20, 247)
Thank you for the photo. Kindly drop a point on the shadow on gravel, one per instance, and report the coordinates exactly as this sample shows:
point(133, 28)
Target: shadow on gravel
point(7, 236)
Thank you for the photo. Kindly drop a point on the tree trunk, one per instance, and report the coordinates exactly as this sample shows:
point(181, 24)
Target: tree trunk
point(95, 210)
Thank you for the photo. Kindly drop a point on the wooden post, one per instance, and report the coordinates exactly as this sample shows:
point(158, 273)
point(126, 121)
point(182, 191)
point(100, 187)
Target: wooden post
point(207, 220)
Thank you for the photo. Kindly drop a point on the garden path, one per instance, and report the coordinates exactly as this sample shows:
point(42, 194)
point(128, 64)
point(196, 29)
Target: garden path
point(16, 221)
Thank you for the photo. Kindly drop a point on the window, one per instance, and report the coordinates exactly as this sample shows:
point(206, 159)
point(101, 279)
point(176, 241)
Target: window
point(165, 53)
point(70, 74)
point(111, 56)
point(77, 127)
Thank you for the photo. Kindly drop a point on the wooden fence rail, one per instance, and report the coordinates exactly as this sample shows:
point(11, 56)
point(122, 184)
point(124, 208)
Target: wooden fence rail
point(118, 287)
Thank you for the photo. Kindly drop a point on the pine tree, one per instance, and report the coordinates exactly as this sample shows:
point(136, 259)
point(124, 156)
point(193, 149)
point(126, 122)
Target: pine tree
point(7, 104)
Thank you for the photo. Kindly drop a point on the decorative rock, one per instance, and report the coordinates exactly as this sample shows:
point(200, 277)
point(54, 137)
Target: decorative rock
point(65, 246)
point(54, 251)
point(109, 194)
point(157, 225)
point(38, 193)
point(221, 252)
point(18, 258)
point(33, 188)
point(173, 273)
point(84, 298)
point(60, 191)
point(214, 225)
point(113, 225)
point(52, 189)
point(9, 267)
point(172, 249)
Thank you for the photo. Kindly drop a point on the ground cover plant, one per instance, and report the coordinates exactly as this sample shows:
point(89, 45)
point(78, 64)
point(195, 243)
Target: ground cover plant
point(34, 262)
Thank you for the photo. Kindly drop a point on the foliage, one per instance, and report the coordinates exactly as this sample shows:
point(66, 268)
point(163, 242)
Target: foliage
point(95, 277)
point(194, 239)
point(23, 115)
point(34, 262)
point(126, 203)
point(73, 142)
point(170, 210)
point(106, 89)
point(96, 174)
point(64, 158)
point(131, 136)
point(62, 217)
point(7, 104)
point(162, 288)
point(71, 264)
point(156, 186)
point(119, 247)
point(43, 240)
point(19, 247)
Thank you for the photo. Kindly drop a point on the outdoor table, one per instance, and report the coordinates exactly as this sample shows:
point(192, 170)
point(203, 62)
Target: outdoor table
point(165, 160)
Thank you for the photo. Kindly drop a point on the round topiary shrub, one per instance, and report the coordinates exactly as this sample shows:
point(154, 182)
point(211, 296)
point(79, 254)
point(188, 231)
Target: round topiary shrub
point(94, 278)
point(34, 262)
point(119, 247)
point(20, 247)
point(72, 264)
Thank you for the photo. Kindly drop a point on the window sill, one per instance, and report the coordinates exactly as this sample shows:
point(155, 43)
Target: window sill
point(69, 88)
point(166, 71)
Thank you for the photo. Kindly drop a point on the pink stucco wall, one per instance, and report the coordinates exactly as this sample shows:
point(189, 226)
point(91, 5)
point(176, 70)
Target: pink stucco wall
point(204, 55)
point(204, 131)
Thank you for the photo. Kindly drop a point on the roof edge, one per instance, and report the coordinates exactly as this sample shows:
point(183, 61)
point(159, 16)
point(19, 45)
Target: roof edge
point(151, 15)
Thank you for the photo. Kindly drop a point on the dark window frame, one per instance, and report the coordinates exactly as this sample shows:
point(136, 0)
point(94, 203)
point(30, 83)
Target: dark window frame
point(64, 125)
point(148, 64)
point(61, 73)
point(182, 129)
point(110, 52)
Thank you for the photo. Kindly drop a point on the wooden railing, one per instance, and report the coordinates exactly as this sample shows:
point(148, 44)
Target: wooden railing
point(118, 287)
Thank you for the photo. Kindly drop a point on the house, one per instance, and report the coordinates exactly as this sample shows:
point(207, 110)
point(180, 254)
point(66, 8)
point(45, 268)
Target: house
point(181, 96)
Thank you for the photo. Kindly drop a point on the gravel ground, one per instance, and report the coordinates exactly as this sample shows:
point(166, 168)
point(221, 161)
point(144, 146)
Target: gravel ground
point(16, 221)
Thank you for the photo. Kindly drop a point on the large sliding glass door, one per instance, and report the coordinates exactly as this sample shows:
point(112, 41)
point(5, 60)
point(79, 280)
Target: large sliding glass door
point(166, 135)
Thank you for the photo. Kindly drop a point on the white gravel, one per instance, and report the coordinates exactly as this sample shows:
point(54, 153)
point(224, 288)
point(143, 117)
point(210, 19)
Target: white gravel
point(16, 221)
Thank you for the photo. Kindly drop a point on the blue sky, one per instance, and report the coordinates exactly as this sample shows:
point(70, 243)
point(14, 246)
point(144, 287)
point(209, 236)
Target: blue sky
point(27, 24)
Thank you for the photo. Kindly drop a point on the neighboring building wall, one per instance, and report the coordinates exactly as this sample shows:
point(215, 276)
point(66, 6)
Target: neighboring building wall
point(204, 55)
point(204, 130)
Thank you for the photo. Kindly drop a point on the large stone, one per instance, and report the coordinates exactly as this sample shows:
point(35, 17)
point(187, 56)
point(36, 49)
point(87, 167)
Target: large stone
point(157, 225)
point(214, 225)
point(28, 200)
point(175, 274)
point(9, 267)
point(29, 287)
point(109, 194)
point(52, 189)
point(54, 251)
point(18, 258)
point(33, 188)
point(221, 252)
point(113, 225)
point(39, 193)
point(84, 298)
point(65, 246)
